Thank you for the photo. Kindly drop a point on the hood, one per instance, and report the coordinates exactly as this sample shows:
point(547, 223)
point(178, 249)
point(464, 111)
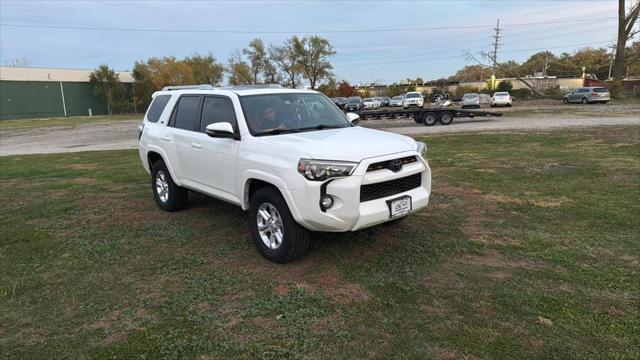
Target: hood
point(346, 144)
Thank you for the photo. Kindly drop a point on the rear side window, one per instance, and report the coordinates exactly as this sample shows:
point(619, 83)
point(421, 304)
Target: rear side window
point(218, 109)
point(187, 114)
point(600, 90)
point(156, 108)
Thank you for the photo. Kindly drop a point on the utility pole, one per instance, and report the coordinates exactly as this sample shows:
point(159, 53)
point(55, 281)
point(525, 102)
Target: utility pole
point(611, 60)
point(546, 66)
point(496, 45)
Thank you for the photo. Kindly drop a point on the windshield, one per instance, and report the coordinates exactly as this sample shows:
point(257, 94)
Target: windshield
point(368, 100)
point(600, 90)
point(397, 98)
point(414, 95)
point(469, 96)
point(272, 114)
point(353, 101)
point(501, 94)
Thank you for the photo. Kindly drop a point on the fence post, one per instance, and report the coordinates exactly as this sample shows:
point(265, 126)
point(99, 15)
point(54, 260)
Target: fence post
point(64, 105)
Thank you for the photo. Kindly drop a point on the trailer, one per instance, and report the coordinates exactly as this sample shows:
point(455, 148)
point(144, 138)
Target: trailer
point(426, 116)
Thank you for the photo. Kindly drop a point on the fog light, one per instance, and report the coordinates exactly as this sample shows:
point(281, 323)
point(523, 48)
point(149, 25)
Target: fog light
point(326, 202)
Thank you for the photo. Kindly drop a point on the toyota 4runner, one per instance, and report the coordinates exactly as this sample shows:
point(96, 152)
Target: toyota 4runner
point(290, 157)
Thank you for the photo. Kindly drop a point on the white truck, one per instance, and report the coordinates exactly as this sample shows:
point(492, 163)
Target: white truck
point(290, 157)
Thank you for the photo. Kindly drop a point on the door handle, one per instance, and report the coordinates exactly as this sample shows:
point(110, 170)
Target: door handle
point(165, 138)
point(196, 145)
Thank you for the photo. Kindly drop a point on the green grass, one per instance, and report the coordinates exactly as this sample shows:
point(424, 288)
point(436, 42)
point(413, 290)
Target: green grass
point(22, 124)
point(528, 249)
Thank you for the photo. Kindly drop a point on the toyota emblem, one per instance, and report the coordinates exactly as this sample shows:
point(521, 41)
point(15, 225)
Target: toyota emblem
point(396, 165)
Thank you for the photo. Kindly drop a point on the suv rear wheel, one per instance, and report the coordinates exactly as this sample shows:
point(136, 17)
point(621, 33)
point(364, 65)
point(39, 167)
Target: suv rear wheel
point(278, 237)
point(168, 195)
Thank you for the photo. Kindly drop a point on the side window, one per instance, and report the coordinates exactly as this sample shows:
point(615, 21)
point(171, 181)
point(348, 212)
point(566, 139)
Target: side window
point(187, 113)
point(218, 109)
point(156, 108)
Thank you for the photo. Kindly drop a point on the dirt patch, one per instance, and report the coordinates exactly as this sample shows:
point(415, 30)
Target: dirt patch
point(83, 181)
point(90, 166)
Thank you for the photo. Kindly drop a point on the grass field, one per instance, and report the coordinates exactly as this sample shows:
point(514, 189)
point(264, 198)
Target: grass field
point(23, 124)
point(528, 249)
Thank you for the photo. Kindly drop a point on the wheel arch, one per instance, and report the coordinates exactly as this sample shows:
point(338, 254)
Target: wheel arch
point(154, 155)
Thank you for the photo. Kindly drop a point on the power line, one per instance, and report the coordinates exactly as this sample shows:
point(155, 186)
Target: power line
point(496, 45)
point(165, 30)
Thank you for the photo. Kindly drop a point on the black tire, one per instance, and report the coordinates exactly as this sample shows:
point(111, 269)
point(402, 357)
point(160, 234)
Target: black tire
point(295, 240)
point(176, 196)
point(429, 118)
point(565, 100)
point(492, 105)
point(417, 119)
point(446, 118)
point(509, 105)
point(585, 100)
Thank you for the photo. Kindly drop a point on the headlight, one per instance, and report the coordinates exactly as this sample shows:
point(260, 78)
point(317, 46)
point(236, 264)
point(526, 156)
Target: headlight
point(318, 170)
point(421, 148)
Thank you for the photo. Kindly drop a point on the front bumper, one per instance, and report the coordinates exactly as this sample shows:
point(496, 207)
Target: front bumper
point(348, 213)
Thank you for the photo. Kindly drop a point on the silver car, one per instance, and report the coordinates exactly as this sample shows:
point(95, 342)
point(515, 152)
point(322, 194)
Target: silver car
point(396, 100)
point(470, 100)
point(588, 95)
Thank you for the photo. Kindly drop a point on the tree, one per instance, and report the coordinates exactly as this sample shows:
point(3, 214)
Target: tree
point(17, 62)
point(471, 73)
point(107, 83)
point(345, 89)
point(238, 69)
point(625, 32)
point(633, 59)
point(504, 86)
point(270, 72)
point(314, 53)
point(169, 71)
point(205, 69)
point(143, 86)
point(329, 88)
point(257, 56)
point(509, 71)
point(536, 62)
point(288, 58)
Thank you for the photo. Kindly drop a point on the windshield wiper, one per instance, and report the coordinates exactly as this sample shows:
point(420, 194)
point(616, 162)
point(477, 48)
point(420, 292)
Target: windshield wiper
point(321, 127)
point(278, 131)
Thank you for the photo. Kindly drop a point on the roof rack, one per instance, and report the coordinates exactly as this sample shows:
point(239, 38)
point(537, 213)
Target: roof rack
point(248, 87)
point(187, 87)
point(231, 87)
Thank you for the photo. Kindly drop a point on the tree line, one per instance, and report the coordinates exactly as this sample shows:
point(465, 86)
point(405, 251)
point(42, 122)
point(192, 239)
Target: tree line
point(289, 64)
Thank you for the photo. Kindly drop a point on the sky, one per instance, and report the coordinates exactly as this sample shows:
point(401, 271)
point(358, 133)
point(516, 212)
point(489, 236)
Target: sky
point(376, 41)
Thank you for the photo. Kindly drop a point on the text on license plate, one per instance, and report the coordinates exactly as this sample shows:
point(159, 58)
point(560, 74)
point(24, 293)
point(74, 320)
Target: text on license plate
point(400, 206)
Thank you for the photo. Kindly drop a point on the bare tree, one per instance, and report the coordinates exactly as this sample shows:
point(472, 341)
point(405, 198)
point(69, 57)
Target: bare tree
point(625, 32)
point(509, 70)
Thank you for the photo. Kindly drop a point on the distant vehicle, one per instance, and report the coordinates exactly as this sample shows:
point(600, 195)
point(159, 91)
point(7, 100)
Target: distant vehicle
point(370, 103)
point(501, 99)
point(354, 104)
point(588, 95)
point(386, 101)
point(396, 101)
point(413, 98)
point(470, 100)
point(379, 100)
point(340, 101)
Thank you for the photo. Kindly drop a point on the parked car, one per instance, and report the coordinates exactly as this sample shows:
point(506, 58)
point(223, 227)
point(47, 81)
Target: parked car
point(370, 103)
point(588, 95)
point(340, 101)
point(396, 101)
point(354, 104)
point(412, 99)
point(470, 100)
point(261, 149)
point(501, 99)
point(386, 100)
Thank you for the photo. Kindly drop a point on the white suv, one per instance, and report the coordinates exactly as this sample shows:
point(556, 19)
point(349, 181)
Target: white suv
point(411, 99)
point(289, 157)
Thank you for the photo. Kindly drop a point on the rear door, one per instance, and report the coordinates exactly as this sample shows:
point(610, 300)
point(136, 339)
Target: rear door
point(184, 126)
point(215, 158)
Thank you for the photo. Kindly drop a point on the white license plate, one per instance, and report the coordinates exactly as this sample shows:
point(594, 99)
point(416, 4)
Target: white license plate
point(399, 207)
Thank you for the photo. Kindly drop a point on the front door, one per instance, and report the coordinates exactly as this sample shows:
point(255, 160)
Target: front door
point(214, 159)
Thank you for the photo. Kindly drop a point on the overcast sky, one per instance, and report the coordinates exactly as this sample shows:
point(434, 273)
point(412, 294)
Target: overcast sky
point(406, 39)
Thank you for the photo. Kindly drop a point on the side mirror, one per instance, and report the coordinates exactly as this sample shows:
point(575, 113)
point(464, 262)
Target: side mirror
point(220, 130)
point(353, 118)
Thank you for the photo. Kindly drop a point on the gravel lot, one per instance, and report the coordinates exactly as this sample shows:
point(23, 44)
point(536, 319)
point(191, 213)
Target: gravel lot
point(123, 134)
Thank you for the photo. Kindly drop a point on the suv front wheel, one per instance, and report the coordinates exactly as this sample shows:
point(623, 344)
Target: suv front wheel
point(277, 235)
point(168, 195)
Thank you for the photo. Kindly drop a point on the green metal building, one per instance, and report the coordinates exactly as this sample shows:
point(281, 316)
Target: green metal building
point(44, 92)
